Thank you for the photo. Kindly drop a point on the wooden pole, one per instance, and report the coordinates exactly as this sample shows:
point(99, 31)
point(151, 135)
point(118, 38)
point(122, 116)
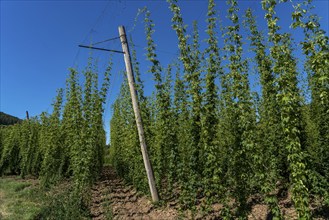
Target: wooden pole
point(27, 115)
point(130, 76)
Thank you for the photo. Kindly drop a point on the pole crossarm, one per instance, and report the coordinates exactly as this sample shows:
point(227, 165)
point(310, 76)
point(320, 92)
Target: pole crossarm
point(98, 48)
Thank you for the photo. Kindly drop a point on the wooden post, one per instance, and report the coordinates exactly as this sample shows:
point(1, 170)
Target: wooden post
point(27, 115)
point(131, 82)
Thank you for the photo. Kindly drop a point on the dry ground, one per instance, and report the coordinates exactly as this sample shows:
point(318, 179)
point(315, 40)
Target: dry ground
point(113, 199)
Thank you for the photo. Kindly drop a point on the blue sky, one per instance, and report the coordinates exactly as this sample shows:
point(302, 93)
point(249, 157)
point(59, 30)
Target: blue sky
point(39, 42)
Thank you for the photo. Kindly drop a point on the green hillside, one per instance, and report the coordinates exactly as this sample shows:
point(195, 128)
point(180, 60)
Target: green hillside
point(6, 119)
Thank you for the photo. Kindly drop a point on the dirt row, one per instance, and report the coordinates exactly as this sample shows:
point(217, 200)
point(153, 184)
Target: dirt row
point(113, 199)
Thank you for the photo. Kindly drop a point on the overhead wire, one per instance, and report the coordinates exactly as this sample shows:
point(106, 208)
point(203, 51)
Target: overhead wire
point(111, 39)
point(109, 43)
point(91, 31)
point(76, 57)
point(100, 17)
point(107, 106)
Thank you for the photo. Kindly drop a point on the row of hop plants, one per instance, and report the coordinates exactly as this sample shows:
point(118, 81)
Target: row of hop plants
point(69, 143)
point(210, 136)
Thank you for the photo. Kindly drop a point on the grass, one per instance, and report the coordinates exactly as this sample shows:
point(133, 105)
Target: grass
point(19, 199)
point(25, 200)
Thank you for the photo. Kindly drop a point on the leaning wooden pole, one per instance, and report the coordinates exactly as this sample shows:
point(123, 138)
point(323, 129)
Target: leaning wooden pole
point(131, 82)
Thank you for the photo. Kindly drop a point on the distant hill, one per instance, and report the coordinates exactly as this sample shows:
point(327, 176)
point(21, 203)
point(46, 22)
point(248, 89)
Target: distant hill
point(6, 119)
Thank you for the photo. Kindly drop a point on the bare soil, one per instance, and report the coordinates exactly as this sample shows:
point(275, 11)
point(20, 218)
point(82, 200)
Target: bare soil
point(113, 199)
